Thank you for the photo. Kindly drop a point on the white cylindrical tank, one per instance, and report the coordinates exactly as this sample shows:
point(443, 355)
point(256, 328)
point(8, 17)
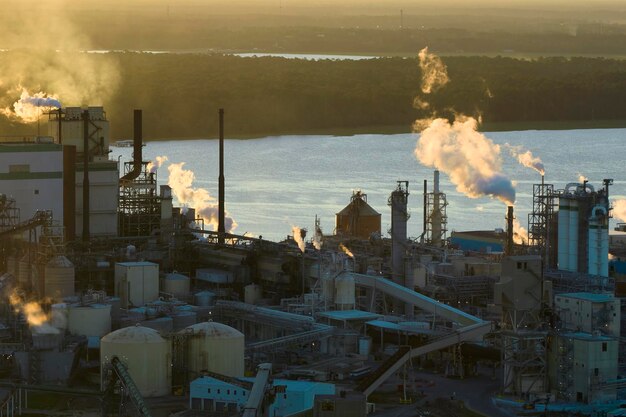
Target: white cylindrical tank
point(573, 236)
point(59, 278)
point(184, 319)
point(204, 298)
point(253, 293)
point(563, 234)
point(215, 347)
point(344, 292)
point(163, 325)
point(89, 320)
point(145, 353)
point(176, 284)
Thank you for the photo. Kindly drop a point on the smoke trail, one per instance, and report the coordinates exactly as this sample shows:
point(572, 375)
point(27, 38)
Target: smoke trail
point(44, 56)
point(181, 180)
point(33, 313)
point(346, 250)
point(156, 164)
point(619, 209)
point(434, 72)
point(317, 241)
point(520, 234)
point(298, 236)
point(30, 107)
point(471, 160)
point(526, 158)
point(582, 178)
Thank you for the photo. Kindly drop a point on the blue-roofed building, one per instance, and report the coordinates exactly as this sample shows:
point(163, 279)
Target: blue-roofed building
point(291, 397)
point(483, 241)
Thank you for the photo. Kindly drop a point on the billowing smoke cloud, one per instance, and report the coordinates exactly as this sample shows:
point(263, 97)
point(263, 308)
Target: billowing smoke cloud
point(153, 166)
point(520, 234)
point(298, 236)
point(317, 241)
point(37, 319)
point(526, 158)
point(30, 107)
point(44, 56)
point(471, 160)
point(181, 181)
point(434, 72)
point(619, 210)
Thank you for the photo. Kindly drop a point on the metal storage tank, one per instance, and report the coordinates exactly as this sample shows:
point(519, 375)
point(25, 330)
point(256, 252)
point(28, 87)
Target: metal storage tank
point(563, 233)
point(573, 236)
point(89, 320)
point(136, 283)
point(344, 292)
point(163, 325)
point(184, 319)
point(358, 218)
point(253, 293)
point(176, 284)
point(146, 354)
point(215, 347)
point(204, 298)
point(59, 278)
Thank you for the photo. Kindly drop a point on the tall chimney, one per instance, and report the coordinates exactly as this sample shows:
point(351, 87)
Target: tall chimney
point(425, 209)
point(509, 231)
point(137, 140)
point(220, 227)
point(69, 192)
point(86, 176)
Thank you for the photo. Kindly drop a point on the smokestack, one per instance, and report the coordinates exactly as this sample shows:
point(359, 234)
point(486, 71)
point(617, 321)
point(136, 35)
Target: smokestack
point(436, 185)
point(220, 226)
point(425, 220)
point(509, 231)
point(61, 132)
point(137, 146)
point(69, 192)
point(86, 176)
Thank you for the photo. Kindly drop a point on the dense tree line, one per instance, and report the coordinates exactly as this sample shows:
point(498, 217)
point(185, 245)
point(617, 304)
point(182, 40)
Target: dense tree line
point(180, 94)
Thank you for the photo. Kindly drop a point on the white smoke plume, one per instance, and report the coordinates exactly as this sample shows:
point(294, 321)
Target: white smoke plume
point(526, 158)
point(619, 209)
point(30, 107)
point(346, 250)
point(153, 166)
point(298, 236)
point(471, 160)
point(582, 178)
point(434, 72)
point(317, 241)
point(181, 181)
point(45, 56)
point(520, 234)
point(37, 319)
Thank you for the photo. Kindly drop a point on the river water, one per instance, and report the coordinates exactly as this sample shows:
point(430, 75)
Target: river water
point(273, 183)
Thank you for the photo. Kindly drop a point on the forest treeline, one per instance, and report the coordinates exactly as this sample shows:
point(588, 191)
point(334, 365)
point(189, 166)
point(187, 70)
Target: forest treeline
point(180, 93)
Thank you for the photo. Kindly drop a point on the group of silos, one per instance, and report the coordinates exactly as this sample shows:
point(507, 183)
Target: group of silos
point(54, 280)
point(209, 346)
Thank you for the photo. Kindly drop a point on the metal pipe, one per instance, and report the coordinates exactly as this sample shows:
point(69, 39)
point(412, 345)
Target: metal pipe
point(425, 208)
point(220, 226)
point(86, 176)
point(69, 192)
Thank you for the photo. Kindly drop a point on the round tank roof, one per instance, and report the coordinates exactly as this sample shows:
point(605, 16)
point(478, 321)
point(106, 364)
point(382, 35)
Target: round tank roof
point(175, 276)
point(134, 334)
point(213, 329)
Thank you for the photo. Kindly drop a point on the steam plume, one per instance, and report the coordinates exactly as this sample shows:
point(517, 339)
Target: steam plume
point(30, 107)
point(582, 178)
point(33, 313)
point(520, 234)
point(317, 241)
point(346, 250)
point(45, 56)
point(156, 164)
point(434, 72)
point(526, 158)
point(181, 180)
point(298, 236)
point(471, 160)
point(619, 210)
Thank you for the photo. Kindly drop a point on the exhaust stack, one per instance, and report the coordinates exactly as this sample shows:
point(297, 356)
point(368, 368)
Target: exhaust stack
point(509, 231)
point(137, 146)
point(220, 226)
point(86, 176)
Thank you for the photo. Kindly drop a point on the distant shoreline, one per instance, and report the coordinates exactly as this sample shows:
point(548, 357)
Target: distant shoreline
point(399, 129)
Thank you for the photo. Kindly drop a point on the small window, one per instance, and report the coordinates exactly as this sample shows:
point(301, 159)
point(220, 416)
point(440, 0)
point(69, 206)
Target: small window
point(218, 390)
point(228, 392)
point(596, 371)
point(605, 346)
point(36, 192)
point(235, 392)
point(209, 390)
point(519, 265)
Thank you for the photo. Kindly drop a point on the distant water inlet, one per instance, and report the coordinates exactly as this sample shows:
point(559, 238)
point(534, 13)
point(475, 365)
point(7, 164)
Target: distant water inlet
point(274, 183)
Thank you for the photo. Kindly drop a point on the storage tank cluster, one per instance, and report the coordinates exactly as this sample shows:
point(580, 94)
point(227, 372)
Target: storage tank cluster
point(210, 346)
point(583, 236)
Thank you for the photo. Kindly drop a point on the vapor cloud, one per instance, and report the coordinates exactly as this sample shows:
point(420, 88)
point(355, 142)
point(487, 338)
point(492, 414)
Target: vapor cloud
point(434, 71)
point(44, 57)
point(619, 210)
point(297, 236)
point(526, 158)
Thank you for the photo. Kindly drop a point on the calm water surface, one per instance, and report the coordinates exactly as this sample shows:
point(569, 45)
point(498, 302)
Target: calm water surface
point(275, 182)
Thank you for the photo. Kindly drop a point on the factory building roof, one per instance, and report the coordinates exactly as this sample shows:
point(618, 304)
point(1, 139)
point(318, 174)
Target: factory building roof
point(589, 336)
point(344, 315)
point(589, 296)
point(142, 263)
point(400, 327)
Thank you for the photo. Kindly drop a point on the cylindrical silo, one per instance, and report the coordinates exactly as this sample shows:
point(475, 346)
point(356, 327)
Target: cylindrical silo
point(176, 284)
point(204, 298)
point(573, 236)
point(59, 278)
point(344, 292)
point(563, 234)
point(215, 347)
point(89, 320)
point(253, 293)
point(184, 319)
point(145, 353)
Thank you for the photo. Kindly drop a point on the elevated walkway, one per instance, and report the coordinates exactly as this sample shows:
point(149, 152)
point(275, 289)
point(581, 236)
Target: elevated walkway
point(133, 392)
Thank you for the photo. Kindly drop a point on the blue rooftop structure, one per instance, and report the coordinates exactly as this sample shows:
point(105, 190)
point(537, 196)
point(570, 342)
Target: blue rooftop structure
point(589, 296)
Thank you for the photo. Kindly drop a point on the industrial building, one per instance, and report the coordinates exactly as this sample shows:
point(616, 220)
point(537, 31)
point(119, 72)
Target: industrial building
point(111, 286)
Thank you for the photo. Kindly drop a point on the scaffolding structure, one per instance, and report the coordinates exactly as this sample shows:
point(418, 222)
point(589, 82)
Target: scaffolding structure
point(524, 362)
point(436, 219)
point(139, 205)
point(540, 221)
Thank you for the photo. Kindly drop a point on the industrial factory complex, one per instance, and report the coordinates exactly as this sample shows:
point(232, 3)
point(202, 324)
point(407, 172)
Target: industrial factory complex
point(126, 304)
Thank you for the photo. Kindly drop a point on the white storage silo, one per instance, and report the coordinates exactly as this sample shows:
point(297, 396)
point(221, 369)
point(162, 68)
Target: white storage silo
point(89, 320)
point(146, 355)
point(215, 347)
point(563, 234)
point(59, 278)
point(253, 293)
point(176, 284)
point(573, 236)
point(136, 283)
point(344, 292)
